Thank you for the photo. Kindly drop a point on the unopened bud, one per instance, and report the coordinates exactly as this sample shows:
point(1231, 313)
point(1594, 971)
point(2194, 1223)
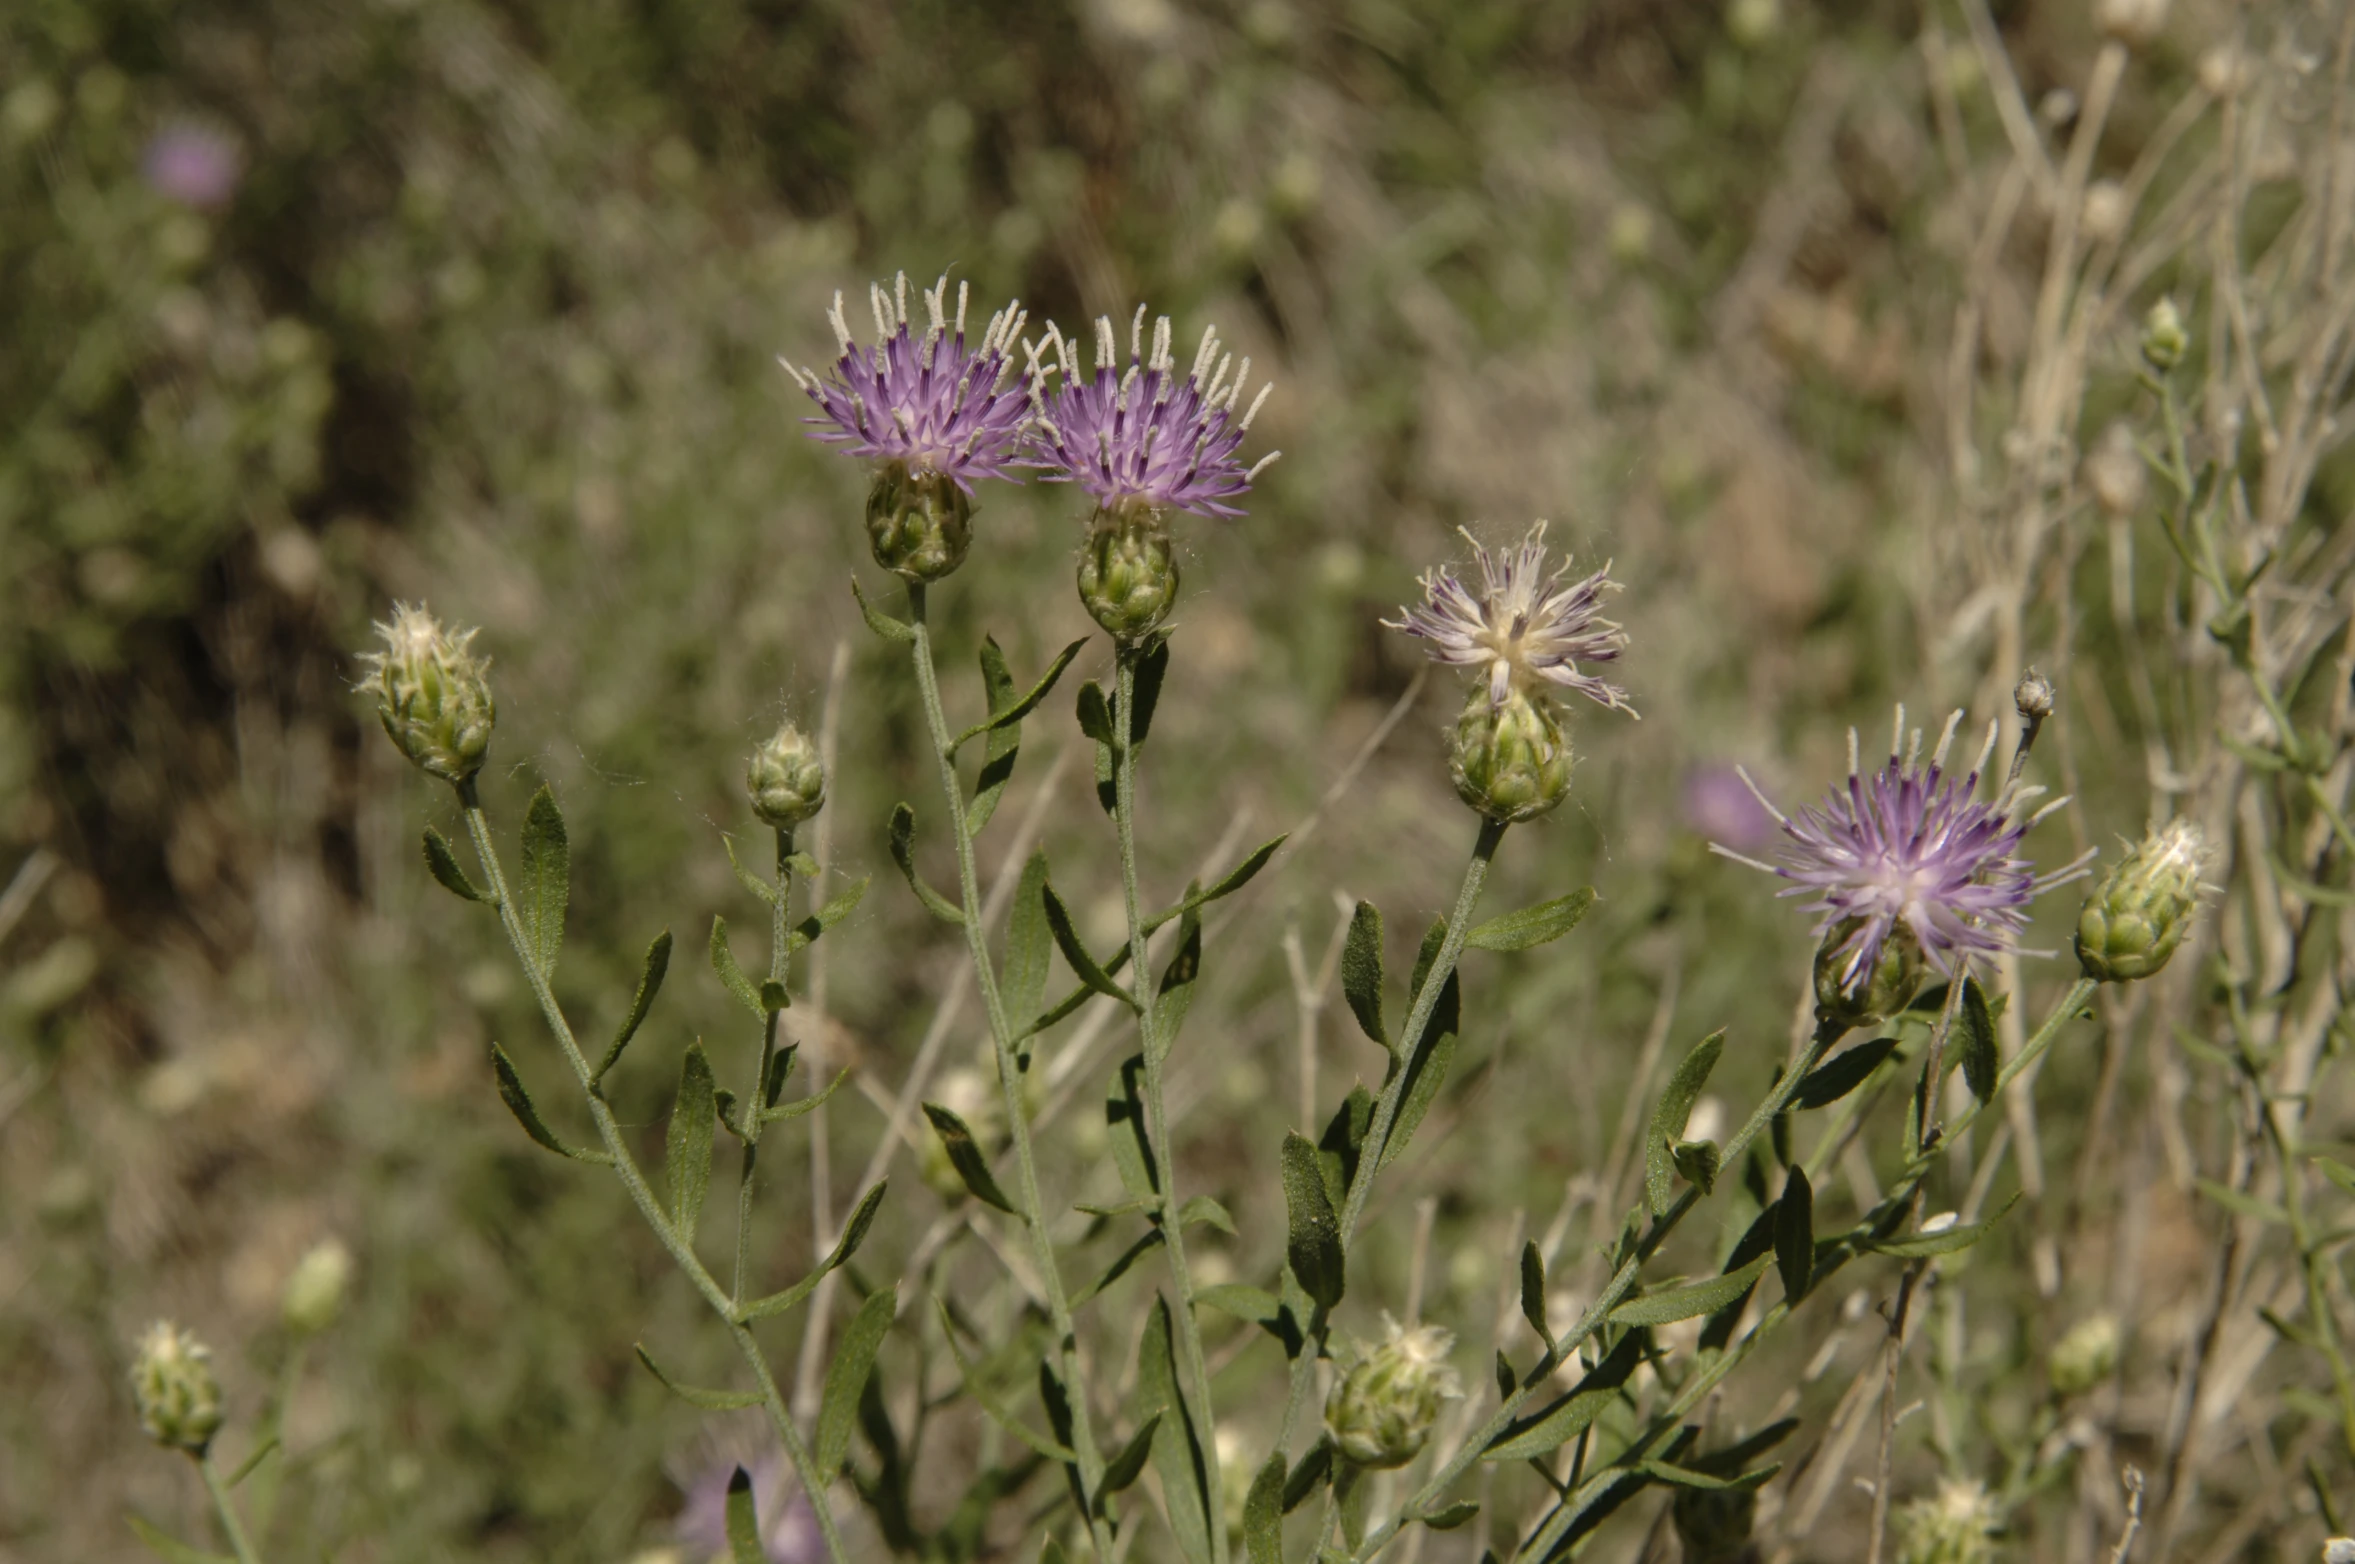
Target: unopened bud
point(2086, 1356)
point(432, 694)
point(315, 1289)
point(1956, 1527)
point(1880, 991)
point(1128, 571)
point(2163, 340)
point(2141, 910)
point(2131, 22)
point(1382, 1411)
point(1714, 1523)
point(919, 523)
point(2032, 697)
point(785, 779)
point(179, 1400)
point(1509, 761)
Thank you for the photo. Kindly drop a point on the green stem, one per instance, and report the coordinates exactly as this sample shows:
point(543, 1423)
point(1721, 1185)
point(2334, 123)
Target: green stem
point(625, 1167)
point(985, 978)
point(239, 1543)
point(756, 1101)
point(1173, 1227)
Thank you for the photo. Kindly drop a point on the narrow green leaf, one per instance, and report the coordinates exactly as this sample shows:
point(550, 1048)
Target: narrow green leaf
point(977, 1386)
point(1075, 954)
point(1095, 715)
point(1152, 668)
point(1022, 977)
point(744, 1544)
point(1691, 1300)
point(781, 1066)
point(1506, 1380)
point(1676, 1105)
point(2337, 1172)
point(846, 1377)
point(854, 1233)
point(762, 891)
point(658, 963)
point(1006, 712)
point(1696, 1163)
point(1234, 880)
point(1004, 746)
point(880, 622)
point(519, 1103)
point(1981, 1062)
point(1263, 1513)
point(1120, 1266)
point(805, 933)
point(1947, 1240)
point(723, 962)
point(547, 878)
point(253, 1460)
point(171, 1549)
point(1547, 1430)
point(1126, 1467)
point(773, 997)
point(687, 1146)
point(1794, 1234)
point(1314, 1244)
point(903, 853)
point(809, 1104)
point(1834, 1079)
point(1686, 1477)
point(965, 1155)
point(1124, 1120)
point(1454, 1515)
point(2243, 1205)
point(442, 864)
point(1201, 1209)
point(1175, 997)
point(1532, 925)
point(709, 1400)
point(1361, 971)
point(1176, 1456)
point(1243, 1301)
point(1308, 1474)
point(1533, 1291)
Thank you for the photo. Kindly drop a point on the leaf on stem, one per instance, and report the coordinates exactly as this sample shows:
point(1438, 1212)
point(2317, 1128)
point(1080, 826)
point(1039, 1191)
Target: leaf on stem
point(1022, 976)
point(1532, 925)
point(1176, 995)
point(442, 864)
point(1263, 1513)
point(1243, 1301)
point(658, 963)
point(1152, 1239)
point(2240, 1204)
point(744, 1544)
point(723, 962)
point(1834, 1079)
point(1177, 1457)
point(1075, 953)
point(996, 1410)
point(1570, 1415)
point(846, 1377)
point(694, 1395)
point(1668, 1119)
point(1313, 1245)
point(1308, 1474)
point(1452, 1516)
point(1691, 1300)
point(903, 834)
point(547, 879)
point(1201, 1210)
point(801, 1105)
point(687, 1145)
point(1696, 1163)
point(1152, 668)
point(1946, 1240)
point(1533, 1292)
point(519, 1103)
point(170, 1548)
point(1361, 971)
point(854, 1233)
point(964, 1153)
point(1794, 1234)
point(1132, 1145)
point(1005, 708)
point(1095, 716)
point(1686, 1477)
point(1004, 746)
point(805, 933)
point(762, 890)
point(1126, 1467)
point(881, 623)
point(1426, 1073)
point(1981, 1063)
point(1234, 880)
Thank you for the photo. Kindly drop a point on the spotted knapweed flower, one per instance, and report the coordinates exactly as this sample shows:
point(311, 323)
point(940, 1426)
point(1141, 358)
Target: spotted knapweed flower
point(934, 413)
point(1524, 626)
point(1906, 852)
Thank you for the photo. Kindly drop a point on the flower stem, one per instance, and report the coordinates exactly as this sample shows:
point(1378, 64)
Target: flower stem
point(756, 1100)
point(625, 1167)
point(1034, 1221)
point(1155, 1047)
point(226, 1511)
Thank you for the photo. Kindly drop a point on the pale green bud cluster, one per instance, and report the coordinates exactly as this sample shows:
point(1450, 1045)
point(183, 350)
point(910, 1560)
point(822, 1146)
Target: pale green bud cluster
point(1382, 1411)
point(1956, 1527)
point(786, 779)
point(1128, 571)
point(433, 694)
point(1509, 761)
point(2086, 1356)
point(315, 1288)
point(1714, 1524)
point(2164, 341)
point(1895, 978)
point(179, 1399)
point(920, 524)
point(2142, 909)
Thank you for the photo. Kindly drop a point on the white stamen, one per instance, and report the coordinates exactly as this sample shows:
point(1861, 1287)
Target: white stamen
point(1259, 466)
point(1854, 769)
point(841, 327)
point(1979, 766)
point(1727, 852)
point(1946, 738)
point(1160, 359)
point(1897, 733)
point(1107, 348)
point(1204, 353)
point(2058, 803)
point(964, 288)
point(1136, 334)
point(1255, 405)
point(902, 298)
point(934, 297)
point(880, 303)
point(1764, 802)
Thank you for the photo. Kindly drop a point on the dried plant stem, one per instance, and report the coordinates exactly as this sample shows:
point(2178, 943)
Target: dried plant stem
point(625, 1167)
point(1089, 1457)
point(226, 1511)
point(1894, 1355)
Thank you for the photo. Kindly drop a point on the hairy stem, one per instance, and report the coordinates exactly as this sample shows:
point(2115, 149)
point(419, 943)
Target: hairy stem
point(756, 1100)
point(226, 1511)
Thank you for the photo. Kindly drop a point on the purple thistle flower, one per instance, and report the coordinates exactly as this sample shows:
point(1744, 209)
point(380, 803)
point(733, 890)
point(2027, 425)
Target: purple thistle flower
point(1146, 434)
point(1909, 845)
point(192, 165)
point(1523, 625)
point(929, 400)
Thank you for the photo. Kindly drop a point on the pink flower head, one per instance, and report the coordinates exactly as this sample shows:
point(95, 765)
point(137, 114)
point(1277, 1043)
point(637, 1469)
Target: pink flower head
point(1524, 627)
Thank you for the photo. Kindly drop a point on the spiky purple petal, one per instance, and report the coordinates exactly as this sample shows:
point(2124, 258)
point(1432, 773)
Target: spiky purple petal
point(1523, 625)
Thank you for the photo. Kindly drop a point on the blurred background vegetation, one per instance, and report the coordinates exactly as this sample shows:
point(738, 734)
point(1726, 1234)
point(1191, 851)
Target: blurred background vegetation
point(309, 308)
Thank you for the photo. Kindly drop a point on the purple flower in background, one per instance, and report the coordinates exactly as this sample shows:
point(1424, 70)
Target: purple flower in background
point(1145, 433)
point(1720, 806)
point(192, 165)
point(788, 1527)
point(1909, 845)
point(1524, 626)
point(928, 400)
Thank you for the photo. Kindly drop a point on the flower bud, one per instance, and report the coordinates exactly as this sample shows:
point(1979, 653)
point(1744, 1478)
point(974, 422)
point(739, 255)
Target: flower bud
point(432, 694)
point(1128, 572)
point(1381, 1412)
point(786, 782)
point(2131, 22)
point(919, 523)
point(179, 1400)
point(2032, 697)
point(315, 1289)
point(2141, 910)
point(2086, 1356)
point(1895, 976)
point(2163, 339)
point(1956, 1527)
point(1714, 1524)
point(1509, 761)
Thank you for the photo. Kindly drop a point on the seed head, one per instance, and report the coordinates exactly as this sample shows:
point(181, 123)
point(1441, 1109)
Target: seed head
point(785, 779)
point(172, 1380)
point(1956, 1527)
point(432, 694)
point(2144, 906)
point(1381, 1411)
point(1525, 628)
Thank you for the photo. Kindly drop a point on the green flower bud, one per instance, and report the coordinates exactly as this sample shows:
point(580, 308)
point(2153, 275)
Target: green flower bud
point(2086, 1356)
point(2140, 912)
point(1957, 1527)
point(315, 1289)
point(1509, 761)
point(432, 694)
point(1381, 1412)
point(919, 523)
point(1895, 978)
point(786, 782)
point(1714, 1524)
point(2163, 339)
point(1128, 571)
point(179, 1400)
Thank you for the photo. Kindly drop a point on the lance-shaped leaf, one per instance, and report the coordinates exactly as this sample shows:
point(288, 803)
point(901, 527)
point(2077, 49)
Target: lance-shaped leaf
point(658, 963)
point(1361, 971)
point(1177, 1456)
point(1006, 708)
point(854, 1233)
point(977, 1386)
point(1545, 1431)
point(1836, 1077)
point(1176, 995)
point(1532, 926)
point(170, 1548)
point(793, 1110)
point(1263, 1513)
point(442, 864)
point(1132, 1145)
point(1308, 1474)
point(1668, 1119)
point(965, 1155)
point(1022, 976)
point(1234, 880)
point(1691, 1300)
point(805, 933)
point(1794, 1234)
point(1004, 746)
point(1204, 1211)
point(846, 1377)
point(687, 1147)
point(1533, 1292)
point(1696, 1163)
point(881, 623)
point(1981, 1063)
point(1686, 1477)
point(732, 978)
point(547, 878)
point(744, 1544)
point(1095, 716)
point(519, 1103)
point(1451, 1516)
point(695, 1395)
point(1075, 953)
point(1243, 1301)
point(903, 853)
point(760, 889)
point(1314, 1243)
point(1152, 668)
point(1126, 1467)
point(1152, 1239)
point(1946, 1240)
point(1426, 1068)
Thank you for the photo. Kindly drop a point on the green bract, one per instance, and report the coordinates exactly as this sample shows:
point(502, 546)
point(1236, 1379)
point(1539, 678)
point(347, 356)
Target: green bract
point(172, 1380)
point(1381, 1412)
point(919, 523)
point(432, 694)
point(2138, 915)
point(785, 779)
point(1509, 760)
point(1128, 571)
